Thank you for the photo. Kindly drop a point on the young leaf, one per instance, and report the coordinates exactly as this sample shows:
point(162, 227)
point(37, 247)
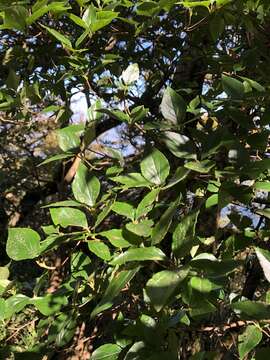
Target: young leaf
point(155, 167)
point(173, 107)
point(68, 217)
point(248, 340)
point(100, 249)
point(22, 244)
point(85, 186)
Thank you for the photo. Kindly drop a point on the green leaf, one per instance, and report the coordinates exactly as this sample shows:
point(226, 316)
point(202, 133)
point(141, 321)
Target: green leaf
point(233, 87)
point(15, 304)
point(264, 259)
point(217, 26)
point(248, 340)
point(132, 180)
point(155, 167)
point(66, 328)
point(147, 203)
point(100, 249)
point(180, 145)
point(265, 213)
point(15, 18)
point(200, 166)
point(22, 244)
point(148, 8)
point(116, 237)
point(85, 186)
point(143, 228)
point(69, 137)
point(50, 304)
point(68, 217)
point(116, 284)
point(60, 37)
point(162, 285)
point(173, 107)
point(180, 174)
point(211, 201)
point(139, 254)
point(56, 158)
point(124, 209)
point(203, 285)
point(104, 213)
point(131, 74)
point(183, 236)
point(103, 18)
point(106, 352)
point(65, 203)
point(262, 185)
point(253, 309)
point(4, 272)
point(162, 226)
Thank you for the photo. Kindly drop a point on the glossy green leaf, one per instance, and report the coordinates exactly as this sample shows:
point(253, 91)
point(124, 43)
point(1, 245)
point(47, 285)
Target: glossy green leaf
point(106, 352)
point(124, 209)
point(85, 186)
point(23, 243)
point(180, 174)
point(66, 216)
point(142, 228)
point(69, 137)
point(248, 340)
point(116, 238)
point(162, 285)
point(132, 180)
point(139, 254)
point(183, 236)
point(180, 145)
point(147, 203)
point(100, 249)
point(173, 107)
point(203, 285)
point(155, 167)
point(162, 226)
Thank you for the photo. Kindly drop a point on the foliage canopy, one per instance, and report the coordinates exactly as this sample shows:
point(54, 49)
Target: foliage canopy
point(135, 179)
